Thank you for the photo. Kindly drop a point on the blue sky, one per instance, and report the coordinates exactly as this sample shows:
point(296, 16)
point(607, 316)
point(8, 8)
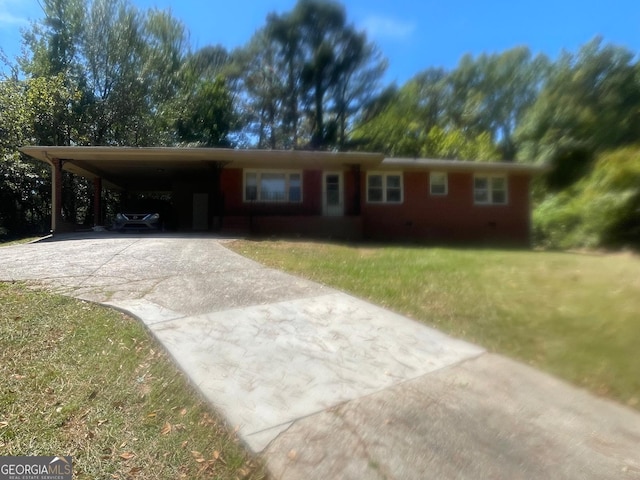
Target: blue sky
point(412, 34)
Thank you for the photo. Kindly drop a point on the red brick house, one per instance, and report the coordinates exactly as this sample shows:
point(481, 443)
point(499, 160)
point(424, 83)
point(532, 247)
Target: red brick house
point(348, 195)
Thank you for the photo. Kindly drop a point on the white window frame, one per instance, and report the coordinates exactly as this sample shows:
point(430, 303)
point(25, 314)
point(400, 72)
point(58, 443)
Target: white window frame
point(385, 176)
point(433, 175)
point(287, 179)
point(491, 178)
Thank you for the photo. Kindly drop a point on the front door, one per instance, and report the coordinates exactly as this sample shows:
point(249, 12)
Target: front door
point(333, 196)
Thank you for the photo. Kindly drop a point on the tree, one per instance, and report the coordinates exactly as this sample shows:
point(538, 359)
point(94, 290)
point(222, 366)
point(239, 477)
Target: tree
point(308, 74)
point(322, 27)
point(24, 184)
point(431, 91)
point(50, 103)
point(207, 116)
point(166, 57)
point(481, 101)
point(412, 123)
point(491, 93)
point(14, 128)
point(511, 84)
point(55, 74)
point(125, 62)
point(456, 145)
point(353, 81)
point(263, 96)
point(591, 102)
point(53, 44)
point(113, 49)
point(600, 210)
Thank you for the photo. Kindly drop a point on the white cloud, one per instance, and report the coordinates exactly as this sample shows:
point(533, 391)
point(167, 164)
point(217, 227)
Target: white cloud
point(7, 18)
point(13, 13)
point(378, 26)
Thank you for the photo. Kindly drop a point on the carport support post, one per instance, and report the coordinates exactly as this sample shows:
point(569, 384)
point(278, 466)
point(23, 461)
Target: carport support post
point(97, 201)
point(56, 193)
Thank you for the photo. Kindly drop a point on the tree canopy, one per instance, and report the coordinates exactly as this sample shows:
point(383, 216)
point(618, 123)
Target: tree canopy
point(306, 75)
point(589, 103)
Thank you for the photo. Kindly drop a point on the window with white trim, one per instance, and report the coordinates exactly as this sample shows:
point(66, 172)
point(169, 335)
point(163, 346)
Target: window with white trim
point(272, 186)
point(490, 189)
point(438, 183)
point(384, 187)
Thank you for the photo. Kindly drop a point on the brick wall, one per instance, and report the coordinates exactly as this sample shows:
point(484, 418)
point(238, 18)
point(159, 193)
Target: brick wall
point(450, 218)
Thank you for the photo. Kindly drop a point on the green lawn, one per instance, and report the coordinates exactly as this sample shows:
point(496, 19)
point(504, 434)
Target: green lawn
point(574, 315)
point(82, 380)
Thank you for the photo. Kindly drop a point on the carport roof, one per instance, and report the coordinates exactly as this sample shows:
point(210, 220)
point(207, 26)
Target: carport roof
point(156, 167)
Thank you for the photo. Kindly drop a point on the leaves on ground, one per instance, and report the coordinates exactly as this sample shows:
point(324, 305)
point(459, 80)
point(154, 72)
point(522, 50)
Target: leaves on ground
point(85, 381)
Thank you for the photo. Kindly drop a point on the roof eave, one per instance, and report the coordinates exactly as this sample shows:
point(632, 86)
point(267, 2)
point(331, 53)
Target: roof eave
point(462, 166)
point(227, 155)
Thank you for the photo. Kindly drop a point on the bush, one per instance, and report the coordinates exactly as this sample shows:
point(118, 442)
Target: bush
point(601, 210)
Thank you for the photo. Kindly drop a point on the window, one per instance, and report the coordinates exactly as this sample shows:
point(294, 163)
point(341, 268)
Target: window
point(384, 187)
point(490, 189)
point(438, 184)
point(272, 186)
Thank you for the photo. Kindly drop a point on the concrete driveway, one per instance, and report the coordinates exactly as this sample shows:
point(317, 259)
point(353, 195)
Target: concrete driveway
point(325, 385)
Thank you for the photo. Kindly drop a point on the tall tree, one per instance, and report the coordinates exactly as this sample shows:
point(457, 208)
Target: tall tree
point(265, 113)
point(323, 28)
point(511, 83)
point(411, 123)
point(24, 184)
point(113, 48)
point(311, 72)
point(53, 44)
point(590, 103)
point(125, 61)
point(207, 115)
point(56, 73)
point(483, 100)
point(209, 62)
point(51, 104)
point(352, 83)
point(165, 55)
point(491, 93)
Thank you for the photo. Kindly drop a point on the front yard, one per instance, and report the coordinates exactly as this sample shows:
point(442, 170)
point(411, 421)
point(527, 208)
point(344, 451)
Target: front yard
point(83, 380)
point(574, 315)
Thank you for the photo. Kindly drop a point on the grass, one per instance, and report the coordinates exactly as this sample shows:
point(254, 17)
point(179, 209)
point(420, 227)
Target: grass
point(83, 380)
point(574, 315)
point(7, 242)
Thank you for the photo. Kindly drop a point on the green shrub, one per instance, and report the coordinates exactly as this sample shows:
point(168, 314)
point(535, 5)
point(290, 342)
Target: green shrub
point(556, 221)
point(601, 210)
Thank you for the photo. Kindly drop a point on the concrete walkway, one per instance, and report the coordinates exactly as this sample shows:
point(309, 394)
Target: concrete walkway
point(325, 385)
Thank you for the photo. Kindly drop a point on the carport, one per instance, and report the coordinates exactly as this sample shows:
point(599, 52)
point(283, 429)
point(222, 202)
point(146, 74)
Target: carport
point(192, 175)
